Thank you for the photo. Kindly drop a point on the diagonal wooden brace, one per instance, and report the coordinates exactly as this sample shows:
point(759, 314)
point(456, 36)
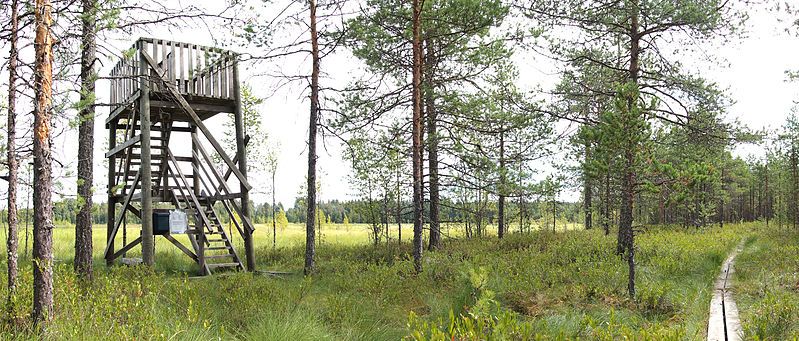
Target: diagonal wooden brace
point(197, 121)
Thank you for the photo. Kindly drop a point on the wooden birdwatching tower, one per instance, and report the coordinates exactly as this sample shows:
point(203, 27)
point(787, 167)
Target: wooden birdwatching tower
point(162, 93)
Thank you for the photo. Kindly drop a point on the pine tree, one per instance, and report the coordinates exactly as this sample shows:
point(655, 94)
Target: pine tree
point(83, 221)
point(42, 168)
point(635, 29)
point(12, 243)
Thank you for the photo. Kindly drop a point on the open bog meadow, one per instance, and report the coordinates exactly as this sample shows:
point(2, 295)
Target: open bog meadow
point(539, 285)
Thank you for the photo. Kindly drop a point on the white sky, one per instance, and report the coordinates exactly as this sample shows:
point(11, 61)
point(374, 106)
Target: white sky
point(753, 69)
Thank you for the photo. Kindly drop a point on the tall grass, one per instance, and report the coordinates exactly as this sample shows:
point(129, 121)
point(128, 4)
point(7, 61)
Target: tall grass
point(766, 284)
point(567, 284)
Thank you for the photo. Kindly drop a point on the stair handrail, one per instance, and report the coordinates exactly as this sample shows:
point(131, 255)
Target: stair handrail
point(173, 91)
point(247, 223)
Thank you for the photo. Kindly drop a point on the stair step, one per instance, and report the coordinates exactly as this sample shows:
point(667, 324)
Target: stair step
point(216, 240)
point(227, 255)
point(222, 265)
point(218, 248)
point(152, 164)
point(207, 233)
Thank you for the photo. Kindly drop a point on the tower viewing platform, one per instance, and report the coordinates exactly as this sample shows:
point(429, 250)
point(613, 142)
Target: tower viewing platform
point(162, 92)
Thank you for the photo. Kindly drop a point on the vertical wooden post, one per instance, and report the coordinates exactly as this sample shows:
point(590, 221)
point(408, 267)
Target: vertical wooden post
point(241, 153)
point(111, 210)
point(146, 162)
point(198, 223)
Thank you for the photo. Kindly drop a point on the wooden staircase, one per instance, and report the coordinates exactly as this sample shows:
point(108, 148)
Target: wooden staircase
point(217, 252)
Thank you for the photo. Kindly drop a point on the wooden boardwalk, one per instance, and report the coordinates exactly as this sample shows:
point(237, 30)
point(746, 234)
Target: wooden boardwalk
point(724, 323)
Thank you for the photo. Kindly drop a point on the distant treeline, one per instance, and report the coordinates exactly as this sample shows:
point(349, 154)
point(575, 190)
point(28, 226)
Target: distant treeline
point(335, 211)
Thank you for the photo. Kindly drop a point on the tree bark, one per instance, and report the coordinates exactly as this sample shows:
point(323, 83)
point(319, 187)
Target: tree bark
point(145, 119)
point(554, 212)
point(373, 218)
point(310, 248)
point(384, 216)
point(418, 200)
point(587, 188)
point(399, 208)
point(794, 193)
point(626, 221)
point(606, 210)
point(628, 181)
point(12, 242)
point(432, 151)
point(274, 222)
point(241, 152)
point(42, 168)
point(521, 197)
point(767, 210)
point(83, 220)
point(501, 187)
point(721, 201)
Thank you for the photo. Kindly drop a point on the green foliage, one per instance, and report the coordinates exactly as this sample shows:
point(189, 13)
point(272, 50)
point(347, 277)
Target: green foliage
point(281, 221)
point(485, 318)
point(623, 141)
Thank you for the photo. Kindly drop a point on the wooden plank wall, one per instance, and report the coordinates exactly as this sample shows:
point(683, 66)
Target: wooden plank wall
point(194, 69)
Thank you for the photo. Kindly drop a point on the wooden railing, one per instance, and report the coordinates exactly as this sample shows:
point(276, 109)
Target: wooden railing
point(194, 69)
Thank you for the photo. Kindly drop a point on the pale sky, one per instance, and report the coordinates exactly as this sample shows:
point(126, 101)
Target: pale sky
point(753, 69)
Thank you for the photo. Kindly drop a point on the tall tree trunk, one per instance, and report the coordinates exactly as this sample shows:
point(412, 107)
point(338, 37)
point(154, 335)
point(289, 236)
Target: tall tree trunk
point(274, 208)
point(42, 168)
point(373, 218)
point(660, 219)
point(318, 222)
point(554, 213)
point(12, 242)
point(794, 192)
point(606, 209)
point(767, 210)
point(479, 210)
point(384, 216)
point(418, 200)
point(626, 221)
point(628, 181)
point(241, 153)
point(501, 189)
point(521, 197)
point(399, 207)
point(721, 200)
point(588, 204)
point(310, 248)
point(780, 199)
point(83, 220)
point(432, 151)
point(28, 210)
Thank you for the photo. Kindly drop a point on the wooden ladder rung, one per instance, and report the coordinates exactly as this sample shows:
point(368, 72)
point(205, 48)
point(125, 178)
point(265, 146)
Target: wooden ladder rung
point(218, 248)
point(222, 265)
